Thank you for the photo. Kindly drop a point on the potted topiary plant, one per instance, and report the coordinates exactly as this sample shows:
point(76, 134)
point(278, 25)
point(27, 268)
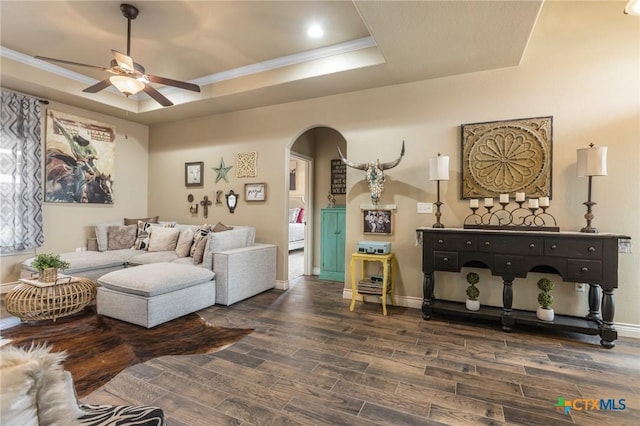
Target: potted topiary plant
point(472, 303)
point(48, 265)
point(545, 300)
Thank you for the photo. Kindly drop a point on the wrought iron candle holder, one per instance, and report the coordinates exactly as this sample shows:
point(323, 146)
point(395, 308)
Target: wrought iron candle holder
point(518, 218)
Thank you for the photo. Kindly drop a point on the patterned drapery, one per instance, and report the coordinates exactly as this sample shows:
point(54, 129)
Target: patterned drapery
point(20, 173)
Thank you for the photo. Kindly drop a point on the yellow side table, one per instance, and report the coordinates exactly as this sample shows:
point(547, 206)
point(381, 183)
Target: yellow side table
point(360, 288)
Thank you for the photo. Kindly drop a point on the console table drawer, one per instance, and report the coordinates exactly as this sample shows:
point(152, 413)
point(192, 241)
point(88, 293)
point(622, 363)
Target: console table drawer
point(582, 249)
point(455, 242)
point(503, 264)
point(510, 245)
point(587, 270)
point(445, 261)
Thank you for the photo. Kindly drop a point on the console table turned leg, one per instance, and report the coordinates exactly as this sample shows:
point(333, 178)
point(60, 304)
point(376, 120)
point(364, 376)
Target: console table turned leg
point(427, 291)
point(507, 303)
point(594, 302)
point(608, 332)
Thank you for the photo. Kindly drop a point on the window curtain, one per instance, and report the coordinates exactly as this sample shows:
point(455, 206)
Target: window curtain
point(20, 173)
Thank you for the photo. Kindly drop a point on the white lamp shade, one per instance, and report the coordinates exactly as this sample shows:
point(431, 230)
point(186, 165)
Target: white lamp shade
point(632, 7)
point(592, 161)
point(127, 85)
point(439, 168)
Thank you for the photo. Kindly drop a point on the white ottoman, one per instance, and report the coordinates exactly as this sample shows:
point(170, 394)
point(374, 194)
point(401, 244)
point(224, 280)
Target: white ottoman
point(151, 294)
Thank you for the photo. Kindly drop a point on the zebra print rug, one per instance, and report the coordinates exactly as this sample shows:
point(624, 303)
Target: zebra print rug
point(98, 347)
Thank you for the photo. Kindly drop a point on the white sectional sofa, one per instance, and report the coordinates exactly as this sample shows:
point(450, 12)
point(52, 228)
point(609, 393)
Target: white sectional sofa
point(242, 267)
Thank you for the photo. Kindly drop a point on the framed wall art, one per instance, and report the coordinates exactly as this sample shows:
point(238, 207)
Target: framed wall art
point(255, 191)
point(247, 164)
point(79, 159)
point(508, 156)
point(377, 221)
point(193, 173)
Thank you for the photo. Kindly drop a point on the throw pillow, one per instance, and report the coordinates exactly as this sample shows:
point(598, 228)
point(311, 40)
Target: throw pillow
point(221, 227)
point(202, 232)
point(121, 237)
point(293, 214)
point(183, 246)
point(142, 239)
point(153, 219)
point(35, 388)
point(163, 238)
point(198, 253)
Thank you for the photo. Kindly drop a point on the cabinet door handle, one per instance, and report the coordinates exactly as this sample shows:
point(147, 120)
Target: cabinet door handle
point(508, 263)
point(487, 243)
point(445, 259)
point(440, 241)
point(584, 269)
point(468, 242)
point(532, 245)
point(553, 246)
point(591, 249)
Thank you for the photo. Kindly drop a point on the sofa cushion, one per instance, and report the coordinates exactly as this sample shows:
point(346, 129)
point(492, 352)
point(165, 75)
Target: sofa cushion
point(153, 219)
point(183, 246)
point(163, 238)
point(145, 257)
point(84, 261)
point(121, 237)
point(152, 280)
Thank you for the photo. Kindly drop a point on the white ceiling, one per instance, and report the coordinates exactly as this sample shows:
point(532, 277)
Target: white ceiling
point(247, 54)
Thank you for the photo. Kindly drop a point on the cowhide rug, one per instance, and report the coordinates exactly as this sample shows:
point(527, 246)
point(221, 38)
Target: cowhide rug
point(98, 347)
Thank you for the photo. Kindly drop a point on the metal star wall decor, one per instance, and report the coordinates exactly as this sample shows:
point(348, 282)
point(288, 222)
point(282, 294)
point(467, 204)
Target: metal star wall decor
point(222, 171)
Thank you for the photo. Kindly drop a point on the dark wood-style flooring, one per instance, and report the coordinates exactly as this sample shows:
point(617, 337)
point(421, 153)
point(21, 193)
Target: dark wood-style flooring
point(311, 361)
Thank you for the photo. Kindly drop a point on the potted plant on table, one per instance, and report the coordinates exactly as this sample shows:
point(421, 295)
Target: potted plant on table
point(545, 300)
point(48, 265)
point(472, 303)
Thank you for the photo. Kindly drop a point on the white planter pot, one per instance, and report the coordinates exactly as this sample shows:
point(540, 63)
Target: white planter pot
point(473, 305)
point(545, 314)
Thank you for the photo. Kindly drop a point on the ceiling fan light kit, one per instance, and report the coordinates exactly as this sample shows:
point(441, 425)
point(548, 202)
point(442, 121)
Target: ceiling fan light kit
point(129, 77)
point(127, 85)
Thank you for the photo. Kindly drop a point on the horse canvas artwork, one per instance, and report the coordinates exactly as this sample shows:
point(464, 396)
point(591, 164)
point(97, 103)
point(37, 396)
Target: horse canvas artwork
point(79, 160)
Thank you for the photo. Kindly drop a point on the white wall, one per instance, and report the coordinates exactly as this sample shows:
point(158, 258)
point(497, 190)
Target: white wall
point(582, 67)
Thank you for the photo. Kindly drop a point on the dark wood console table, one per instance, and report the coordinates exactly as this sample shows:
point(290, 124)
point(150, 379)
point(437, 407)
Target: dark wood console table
point(576, 257)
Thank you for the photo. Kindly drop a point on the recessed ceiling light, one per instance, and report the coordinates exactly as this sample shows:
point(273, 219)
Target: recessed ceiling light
point(315, 31)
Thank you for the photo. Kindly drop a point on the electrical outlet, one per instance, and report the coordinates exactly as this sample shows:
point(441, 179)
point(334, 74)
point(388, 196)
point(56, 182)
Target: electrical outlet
point(425, 207)
point(580, 287)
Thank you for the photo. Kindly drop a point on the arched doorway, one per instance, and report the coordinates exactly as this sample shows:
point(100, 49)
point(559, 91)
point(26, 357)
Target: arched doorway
point(312, 153)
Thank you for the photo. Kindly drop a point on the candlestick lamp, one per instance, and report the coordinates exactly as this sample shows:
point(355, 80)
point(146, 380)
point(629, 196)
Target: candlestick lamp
point(438, 170)
point(592, 161)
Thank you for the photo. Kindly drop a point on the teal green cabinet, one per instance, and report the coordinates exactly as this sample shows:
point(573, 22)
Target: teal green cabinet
point(332, 242)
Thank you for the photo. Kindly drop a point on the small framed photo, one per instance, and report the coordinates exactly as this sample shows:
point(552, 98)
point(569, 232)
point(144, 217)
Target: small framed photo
point(255, 191)
point(377, 222)
point(193, 173)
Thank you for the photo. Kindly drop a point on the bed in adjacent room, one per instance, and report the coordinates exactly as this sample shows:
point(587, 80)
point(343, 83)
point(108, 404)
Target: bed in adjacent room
point(297, 222)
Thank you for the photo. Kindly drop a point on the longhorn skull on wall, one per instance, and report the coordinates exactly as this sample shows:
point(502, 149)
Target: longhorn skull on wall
point(374, 173)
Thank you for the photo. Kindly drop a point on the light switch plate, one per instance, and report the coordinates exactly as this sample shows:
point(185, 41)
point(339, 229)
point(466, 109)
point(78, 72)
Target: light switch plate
point(425, 208)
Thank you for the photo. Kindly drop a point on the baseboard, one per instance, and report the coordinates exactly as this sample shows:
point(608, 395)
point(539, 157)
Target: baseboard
point(282, 284)
point(624, 330)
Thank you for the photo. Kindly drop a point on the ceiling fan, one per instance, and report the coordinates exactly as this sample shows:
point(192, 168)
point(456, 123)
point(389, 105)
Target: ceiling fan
point(128, 76)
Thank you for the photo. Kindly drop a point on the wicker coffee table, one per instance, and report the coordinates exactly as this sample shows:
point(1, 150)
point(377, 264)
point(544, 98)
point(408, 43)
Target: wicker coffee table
point(32, 300)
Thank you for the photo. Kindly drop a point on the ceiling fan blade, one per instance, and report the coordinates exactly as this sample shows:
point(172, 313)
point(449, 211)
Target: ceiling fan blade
point(98, 86)
point(174, 83)
point(159, 97)
point(125, 62)
point(62, 61)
